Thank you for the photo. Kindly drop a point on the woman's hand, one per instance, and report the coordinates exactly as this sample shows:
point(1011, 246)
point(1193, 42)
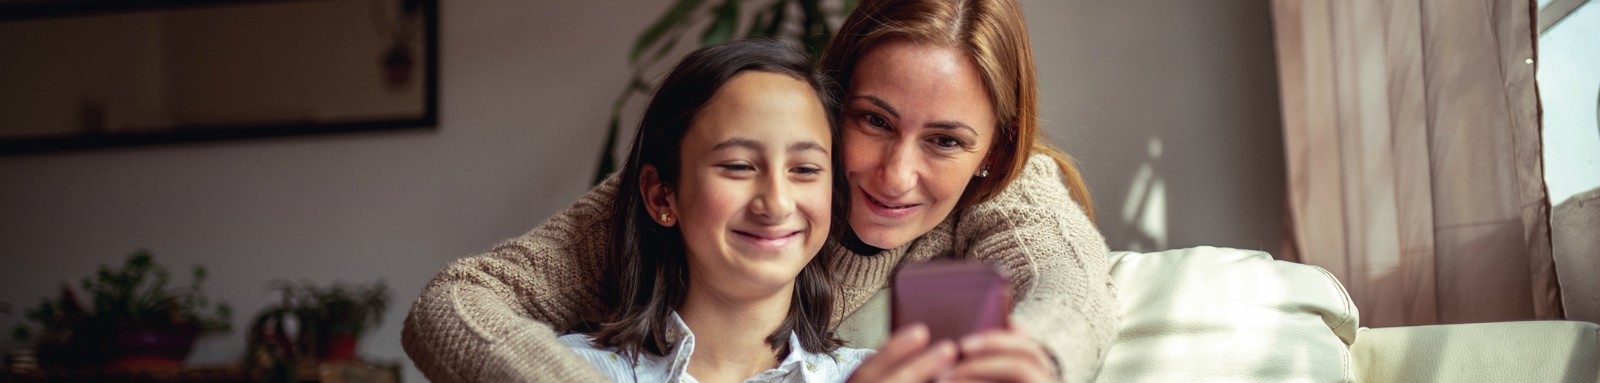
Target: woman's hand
point(1003, 356)
point(906, 358)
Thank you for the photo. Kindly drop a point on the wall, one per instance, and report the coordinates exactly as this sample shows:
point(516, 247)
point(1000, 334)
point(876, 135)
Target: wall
point(521, 107)
point(1172, 109)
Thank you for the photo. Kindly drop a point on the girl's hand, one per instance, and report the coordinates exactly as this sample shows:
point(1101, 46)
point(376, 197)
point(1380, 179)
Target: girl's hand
point(906, 358)
point(1003, 356)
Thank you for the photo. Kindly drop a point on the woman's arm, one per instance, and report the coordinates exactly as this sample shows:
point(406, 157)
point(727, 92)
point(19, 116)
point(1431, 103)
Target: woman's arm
point(494, 317)
point(1057, 263)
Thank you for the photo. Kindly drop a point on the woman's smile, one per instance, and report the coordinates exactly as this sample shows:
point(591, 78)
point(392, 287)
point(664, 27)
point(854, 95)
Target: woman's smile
point(890, 209)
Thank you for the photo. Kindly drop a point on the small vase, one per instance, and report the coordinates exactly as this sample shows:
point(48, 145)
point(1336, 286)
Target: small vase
point(339, 348)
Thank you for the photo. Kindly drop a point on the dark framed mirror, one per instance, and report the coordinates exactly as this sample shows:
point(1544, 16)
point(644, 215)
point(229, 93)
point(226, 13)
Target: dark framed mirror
point(80, 74)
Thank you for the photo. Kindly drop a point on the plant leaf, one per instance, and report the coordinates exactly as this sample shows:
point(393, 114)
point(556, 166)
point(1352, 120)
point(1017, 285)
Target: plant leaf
point(759, 21)
point(780, 12)
point(721, 29)
point(815, 31)
point(671, 20)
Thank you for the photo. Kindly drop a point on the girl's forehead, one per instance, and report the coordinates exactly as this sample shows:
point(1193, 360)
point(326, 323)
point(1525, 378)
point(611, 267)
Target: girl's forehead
point(769, 108)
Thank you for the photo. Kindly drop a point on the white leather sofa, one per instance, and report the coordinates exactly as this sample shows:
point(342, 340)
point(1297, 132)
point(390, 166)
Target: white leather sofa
point(1215, 314)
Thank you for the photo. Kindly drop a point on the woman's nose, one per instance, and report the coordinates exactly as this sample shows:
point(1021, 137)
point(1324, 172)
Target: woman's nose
point(897, 174)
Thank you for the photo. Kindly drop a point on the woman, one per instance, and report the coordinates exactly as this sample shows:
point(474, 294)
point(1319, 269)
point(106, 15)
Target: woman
point(941, 158)
point(725, 207)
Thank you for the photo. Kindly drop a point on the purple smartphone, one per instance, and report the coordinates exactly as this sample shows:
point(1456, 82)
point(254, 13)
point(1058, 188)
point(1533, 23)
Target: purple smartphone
point(954, 298)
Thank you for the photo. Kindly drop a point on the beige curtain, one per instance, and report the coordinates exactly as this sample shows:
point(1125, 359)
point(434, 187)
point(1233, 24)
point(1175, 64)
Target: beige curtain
point(1412, 135)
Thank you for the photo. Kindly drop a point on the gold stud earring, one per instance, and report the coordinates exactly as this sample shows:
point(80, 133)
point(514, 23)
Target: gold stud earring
point(666, 218)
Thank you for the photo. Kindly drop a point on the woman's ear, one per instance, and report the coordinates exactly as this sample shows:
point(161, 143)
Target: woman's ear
point(658, 198)
point(983, 166)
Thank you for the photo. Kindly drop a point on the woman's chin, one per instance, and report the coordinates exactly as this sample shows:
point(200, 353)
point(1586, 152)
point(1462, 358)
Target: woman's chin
point(880, 236)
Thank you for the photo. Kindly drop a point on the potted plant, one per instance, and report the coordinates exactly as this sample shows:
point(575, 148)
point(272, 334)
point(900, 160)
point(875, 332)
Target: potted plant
point(134, 320)
point(329, 322)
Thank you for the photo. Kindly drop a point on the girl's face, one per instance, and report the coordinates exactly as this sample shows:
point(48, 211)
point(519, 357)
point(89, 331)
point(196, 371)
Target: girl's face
point(754, 193)
point(918, 125)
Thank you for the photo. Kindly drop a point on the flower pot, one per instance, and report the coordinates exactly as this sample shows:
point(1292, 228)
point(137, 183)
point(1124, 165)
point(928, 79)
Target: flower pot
point(152, 349)
point(338, 347)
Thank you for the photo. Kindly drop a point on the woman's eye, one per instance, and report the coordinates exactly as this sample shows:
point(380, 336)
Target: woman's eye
point(876, 121)
point(946, 142)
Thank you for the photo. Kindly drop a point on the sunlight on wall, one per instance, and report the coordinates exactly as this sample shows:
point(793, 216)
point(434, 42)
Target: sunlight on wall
point(1145, 211)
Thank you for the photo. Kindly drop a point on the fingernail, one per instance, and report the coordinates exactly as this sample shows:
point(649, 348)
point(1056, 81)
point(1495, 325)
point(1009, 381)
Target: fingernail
point(971, 343)
point(918, 331)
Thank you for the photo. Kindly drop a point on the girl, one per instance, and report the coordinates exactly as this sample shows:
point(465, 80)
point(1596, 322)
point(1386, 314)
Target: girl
point(724, 206)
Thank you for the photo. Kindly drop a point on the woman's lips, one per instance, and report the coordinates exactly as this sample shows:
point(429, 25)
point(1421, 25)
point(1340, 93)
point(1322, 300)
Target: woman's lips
point(888, 210)
point(772, 241)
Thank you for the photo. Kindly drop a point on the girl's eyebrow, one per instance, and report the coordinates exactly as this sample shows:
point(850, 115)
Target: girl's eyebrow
point(739, 142)
point(807, 145)
point(746, 143)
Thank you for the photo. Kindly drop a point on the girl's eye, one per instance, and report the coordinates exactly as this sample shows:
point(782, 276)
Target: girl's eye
point(737, 168)
point(807, 170)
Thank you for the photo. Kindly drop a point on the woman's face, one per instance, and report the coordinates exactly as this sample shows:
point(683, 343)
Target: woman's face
point(918, 125)
point(753, 197)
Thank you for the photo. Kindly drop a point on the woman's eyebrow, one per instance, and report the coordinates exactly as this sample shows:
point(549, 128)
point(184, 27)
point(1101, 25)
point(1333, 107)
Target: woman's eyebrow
point(952, 125)
point(880, 103)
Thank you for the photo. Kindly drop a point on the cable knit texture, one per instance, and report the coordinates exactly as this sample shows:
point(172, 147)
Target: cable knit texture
point(494, 317)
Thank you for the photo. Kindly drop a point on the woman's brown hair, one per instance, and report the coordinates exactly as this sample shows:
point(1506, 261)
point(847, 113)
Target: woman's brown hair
point(993, 33)
point(646, 262)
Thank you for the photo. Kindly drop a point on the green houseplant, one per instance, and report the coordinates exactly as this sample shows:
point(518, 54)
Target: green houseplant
point(327, 322)
point(134, 319)
point(806, 21)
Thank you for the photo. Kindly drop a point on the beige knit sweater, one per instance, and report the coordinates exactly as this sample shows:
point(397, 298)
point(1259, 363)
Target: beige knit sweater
point(494, 317)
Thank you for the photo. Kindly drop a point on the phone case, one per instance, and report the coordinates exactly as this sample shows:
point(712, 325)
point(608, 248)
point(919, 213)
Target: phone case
point(953, 298)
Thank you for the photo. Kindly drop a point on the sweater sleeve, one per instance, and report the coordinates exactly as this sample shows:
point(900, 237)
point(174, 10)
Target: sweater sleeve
point(494, 317)
point(1056, 260)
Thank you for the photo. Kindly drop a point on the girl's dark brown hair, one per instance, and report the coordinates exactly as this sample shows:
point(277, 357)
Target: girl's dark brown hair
point(647, 261)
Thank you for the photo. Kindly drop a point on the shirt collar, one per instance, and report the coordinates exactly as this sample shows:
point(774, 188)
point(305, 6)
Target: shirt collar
point(682, 340)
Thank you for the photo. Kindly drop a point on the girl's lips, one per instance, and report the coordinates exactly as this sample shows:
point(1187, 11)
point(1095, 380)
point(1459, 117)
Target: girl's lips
point(886, 210)
point(768, 241)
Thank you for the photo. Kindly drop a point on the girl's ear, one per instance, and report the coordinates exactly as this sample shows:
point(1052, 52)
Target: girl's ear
point(658, 198)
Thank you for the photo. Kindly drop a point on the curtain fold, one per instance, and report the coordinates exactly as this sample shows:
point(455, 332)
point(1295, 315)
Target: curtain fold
point(1412, 142)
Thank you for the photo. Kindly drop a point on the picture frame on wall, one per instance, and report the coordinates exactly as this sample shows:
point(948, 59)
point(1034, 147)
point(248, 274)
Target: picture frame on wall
point(91, 74)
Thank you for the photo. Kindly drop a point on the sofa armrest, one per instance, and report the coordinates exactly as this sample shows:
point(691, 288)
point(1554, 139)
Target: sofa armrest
point(1536, 351)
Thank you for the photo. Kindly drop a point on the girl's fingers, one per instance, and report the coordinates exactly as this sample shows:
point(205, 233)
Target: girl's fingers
point(925, 366)
point(999, 368)
point(1007, 343)
point(906, 357)
point(1003, 355)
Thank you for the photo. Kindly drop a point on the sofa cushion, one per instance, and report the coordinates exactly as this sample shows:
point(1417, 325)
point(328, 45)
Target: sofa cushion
point(1533, 351)
point(1208, 314)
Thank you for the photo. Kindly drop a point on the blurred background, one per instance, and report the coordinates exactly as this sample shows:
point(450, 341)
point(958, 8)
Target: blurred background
point(1172, 109)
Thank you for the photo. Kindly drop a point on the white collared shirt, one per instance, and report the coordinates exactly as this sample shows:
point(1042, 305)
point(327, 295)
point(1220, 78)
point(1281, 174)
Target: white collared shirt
point(798, 367)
